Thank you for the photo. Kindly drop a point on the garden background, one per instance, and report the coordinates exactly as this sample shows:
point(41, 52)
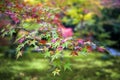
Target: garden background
point(59, 39)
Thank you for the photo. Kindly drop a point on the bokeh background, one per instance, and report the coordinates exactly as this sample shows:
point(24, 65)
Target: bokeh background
point(92, 20)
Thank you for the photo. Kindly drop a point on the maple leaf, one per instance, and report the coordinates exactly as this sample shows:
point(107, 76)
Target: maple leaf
point(43, 41)
point(74, 53)
point(56, 71)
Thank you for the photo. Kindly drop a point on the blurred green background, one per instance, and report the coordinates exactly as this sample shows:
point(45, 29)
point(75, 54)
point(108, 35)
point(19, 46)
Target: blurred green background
point(94, 20)
point(33, 66)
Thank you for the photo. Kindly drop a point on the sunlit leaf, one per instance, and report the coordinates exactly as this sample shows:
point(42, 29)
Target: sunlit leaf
point(56, 72)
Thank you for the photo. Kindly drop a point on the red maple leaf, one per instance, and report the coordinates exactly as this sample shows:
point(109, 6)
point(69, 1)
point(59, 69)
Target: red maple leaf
point(74, 53)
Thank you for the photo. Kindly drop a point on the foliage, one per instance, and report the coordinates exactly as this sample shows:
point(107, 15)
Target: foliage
point(110, 23)
point(37, 26)
point(91, 17)
point(83, 11)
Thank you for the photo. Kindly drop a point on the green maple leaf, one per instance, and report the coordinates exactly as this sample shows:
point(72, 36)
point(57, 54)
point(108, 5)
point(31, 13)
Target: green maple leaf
point(56, 72)
point(11, 32)
point(67, 66)
point(47, 54)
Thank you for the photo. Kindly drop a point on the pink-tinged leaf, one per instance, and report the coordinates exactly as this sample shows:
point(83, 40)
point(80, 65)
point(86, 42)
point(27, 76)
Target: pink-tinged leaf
point(89, 48)
point(66, 32)
point(81, 41)
point(101, 49)
point(53, 40)
point(60, 48)
point(21, 40)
